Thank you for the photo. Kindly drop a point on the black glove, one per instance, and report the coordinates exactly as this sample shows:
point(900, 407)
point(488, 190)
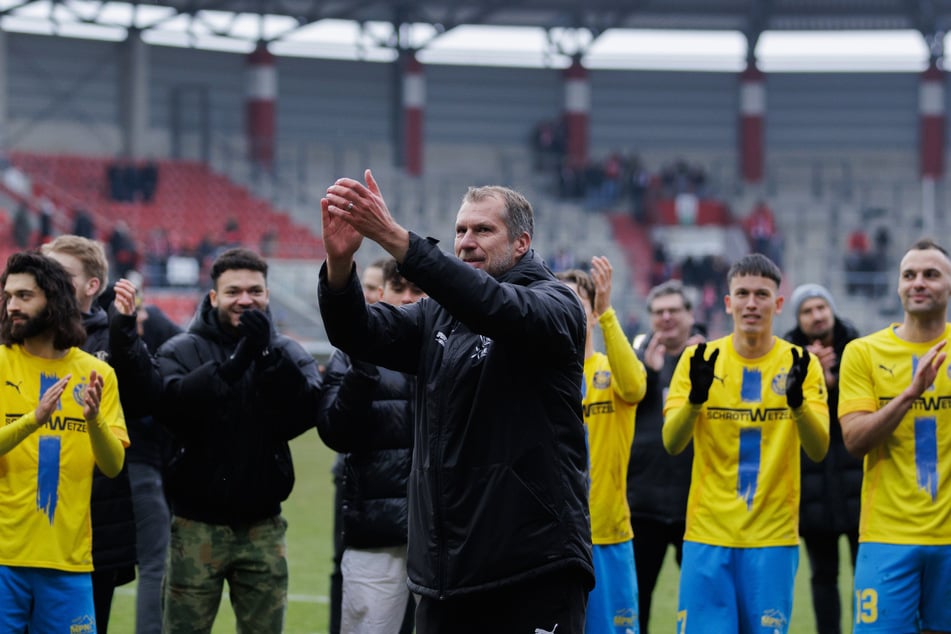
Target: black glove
point(701, 374)
point(796, 377)
point(255, 328)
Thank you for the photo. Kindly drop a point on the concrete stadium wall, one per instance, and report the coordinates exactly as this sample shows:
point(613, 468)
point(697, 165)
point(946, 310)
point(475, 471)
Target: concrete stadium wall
point(63, 94)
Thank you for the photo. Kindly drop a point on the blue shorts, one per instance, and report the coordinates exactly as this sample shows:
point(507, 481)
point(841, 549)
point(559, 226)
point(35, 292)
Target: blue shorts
point(46, 601)
point(612, 604)
point(902, 588)
point(743, 590)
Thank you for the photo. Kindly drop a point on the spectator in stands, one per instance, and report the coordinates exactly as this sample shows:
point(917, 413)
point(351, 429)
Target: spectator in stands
point(658, 483)
point(547, 144)
point(366, 413)
point(761, 231)
point(83, 224)
point(859, 264)
point(832, 488)
point(123, 177)
point(232, 237)
point(47, 215)
point(269, 243)
point(232, 376)
point(499, 347)
point(158, 248)
point(148, 180)
point(563, 260)
point(113, 515)
point(661, 268)
point(122, 249)
point(22, 227)
point(62, 419)
point(638, 180)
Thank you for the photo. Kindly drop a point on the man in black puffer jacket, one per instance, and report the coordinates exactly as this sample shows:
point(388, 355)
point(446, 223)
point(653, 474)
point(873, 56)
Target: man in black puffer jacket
point(499, 529)
point(831, 489)
point(234, 393)
point(366, 413)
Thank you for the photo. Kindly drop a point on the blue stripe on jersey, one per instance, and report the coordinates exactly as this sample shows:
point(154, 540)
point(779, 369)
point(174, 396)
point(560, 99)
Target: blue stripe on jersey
point(47, 476)
point(926, 454)
point(914, 371)
point(47, 381)
point(748, 464)
point(752, 389)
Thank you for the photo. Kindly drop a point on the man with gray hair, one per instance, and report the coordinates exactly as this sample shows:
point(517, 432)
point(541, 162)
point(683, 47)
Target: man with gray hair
point(499, 530)
point(832, 488)
point(658, 483)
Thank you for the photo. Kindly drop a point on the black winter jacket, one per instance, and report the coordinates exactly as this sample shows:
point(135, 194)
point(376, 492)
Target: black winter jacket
point(657, 482)
point(366, 414)
point(231, 462)
point(831, 489)
point(499, 483)
point(150, 443)
point(113, 520)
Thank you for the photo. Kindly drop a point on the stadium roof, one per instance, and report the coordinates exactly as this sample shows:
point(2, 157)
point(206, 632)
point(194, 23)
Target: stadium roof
point(367, 27)
point(747, 16)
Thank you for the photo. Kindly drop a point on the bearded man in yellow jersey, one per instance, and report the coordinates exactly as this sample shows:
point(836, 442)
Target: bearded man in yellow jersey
point(748, 407)
point(61, 416)
point(895, 410)
point(614, 383)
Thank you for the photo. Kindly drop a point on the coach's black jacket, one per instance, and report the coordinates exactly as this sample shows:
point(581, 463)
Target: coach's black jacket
point(499, 482)
point(231, 462)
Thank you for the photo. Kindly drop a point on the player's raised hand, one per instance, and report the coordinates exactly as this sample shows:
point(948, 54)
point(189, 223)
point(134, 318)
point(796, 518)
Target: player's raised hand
point(701, 374)
point(796, 377)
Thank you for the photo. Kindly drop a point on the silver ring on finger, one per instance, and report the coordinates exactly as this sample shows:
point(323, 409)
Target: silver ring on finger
point(350, 206)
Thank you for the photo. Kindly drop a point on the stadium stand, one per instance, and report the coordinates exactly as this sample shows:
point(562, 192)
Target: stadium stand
point(190, 201)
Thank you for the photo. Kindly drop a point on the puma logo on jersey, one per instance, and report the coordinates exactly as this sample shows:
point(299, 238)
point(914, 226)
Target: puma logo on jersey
point(15, 386)
point(890, 370)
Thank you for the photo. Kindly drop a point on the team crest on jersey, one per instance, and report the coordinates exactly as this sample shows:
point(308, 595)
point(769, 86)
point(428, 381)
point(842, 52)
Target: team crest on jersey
point(79, 392)
point(778, 384)
point(774, 620)
point(602, 379)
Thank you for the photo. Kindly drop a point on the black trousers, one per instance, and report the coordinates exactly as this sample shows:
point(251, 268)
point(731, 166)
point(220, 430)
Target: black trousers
point(651, 539)
point(539, 604)
point(823, 551)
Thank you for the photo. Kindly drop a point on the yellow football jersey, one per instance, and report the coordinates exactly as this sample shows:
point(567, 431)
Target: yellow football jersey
point(46, 480)
point(745, 484)
point(905, 494)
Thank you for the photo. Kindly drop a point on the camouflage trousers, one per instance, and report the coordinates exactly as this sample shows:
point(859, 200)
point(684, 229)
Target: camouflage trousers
point(201, 557)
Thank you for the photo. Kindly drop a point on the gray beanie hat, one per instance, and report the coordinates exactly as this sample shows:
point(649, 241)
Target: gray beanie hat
point(809, 291)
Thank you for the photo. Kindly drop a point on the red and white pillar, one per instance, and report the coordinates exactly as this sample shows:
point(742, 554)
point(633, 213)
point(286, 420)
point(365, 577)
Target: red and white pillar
point(261, 106)
point(932, 110)
point(931, 107)
point(577, 112)
point(752, 114)
point(414, 104)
